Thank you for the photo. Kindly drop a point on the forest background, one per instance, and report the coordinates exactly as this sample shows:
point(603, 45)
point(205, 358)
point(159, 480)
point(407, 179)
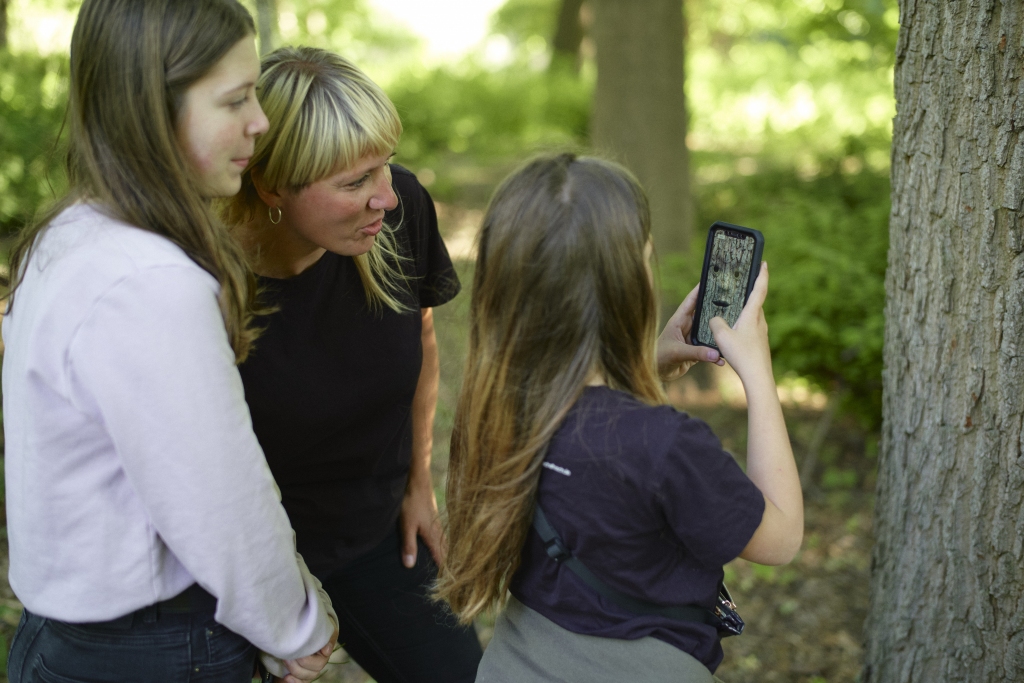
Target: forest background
point(790, 107)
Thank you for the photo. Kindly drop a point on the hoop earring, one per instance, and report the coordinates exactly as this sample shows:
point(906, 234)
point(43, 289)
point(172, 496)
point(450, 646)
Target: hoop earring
point(270, 213)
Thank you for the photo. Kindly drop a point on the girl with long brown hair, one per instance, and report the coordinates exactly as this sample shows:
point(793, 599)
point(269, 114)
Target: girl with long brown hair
point(147, 539)
point(562, 418)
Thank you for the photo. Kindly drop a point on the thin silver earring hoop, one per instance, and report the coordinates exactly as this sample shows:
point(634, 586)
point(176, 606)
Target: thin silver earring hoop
point(270, 212)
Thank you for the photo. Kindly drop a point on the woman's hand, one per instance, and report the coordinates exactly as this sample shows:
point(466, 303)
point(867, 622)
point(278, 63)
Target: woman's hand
point(419, 517)
point(308, 668)
point(675, 353)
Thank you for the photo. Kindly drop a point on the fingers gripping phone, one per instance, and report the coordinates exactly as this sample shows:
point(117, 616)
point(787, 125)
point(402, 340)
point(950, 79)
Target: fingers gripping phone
point(732, 261)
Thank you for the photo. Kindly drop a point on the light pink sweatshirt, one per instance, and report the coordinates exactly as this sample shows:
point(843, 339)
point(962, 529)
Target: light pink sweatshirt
point(131, 467)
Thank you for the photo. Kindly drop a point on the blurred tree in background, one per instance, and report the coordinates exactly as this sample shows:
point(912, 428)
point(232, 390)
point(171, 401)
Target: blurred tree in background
point(790, 105)
point(3, 24)
point(266, 25)
point(639, 113)
point(569, 34)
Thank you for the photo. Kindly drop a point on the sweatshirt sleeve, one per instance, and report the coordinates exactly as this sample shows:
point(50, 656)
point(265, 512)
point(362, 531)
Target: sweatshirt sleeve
point(152, 361)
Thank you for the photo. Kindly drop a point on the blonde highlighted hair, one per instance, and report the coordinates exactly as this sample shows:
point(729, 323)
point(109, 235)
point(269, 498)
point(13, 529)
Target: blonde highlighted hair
point(561, 290)
point(325, 115)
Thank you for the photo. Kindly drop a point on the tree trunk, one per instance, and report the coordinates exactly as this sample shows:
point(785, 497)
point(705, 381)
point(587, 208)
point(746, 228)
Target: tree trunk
point(639, 115)
point(3, 24)
point(568, 35)
point(947, 594)
point(266, 24)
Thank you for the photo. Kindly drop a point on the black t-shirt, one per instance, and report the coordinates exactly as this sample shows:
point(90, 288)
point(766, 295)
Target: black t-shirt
point(647, 499)
point(330, 386)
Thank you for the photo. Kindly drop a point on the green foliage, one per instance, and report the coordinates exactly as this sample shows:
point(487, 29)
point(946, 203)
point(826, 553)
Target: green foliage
point(33, 95)
point(346, 26)
point(521, 20)
point(826, 241)
point(793, 78)
point(487, 114)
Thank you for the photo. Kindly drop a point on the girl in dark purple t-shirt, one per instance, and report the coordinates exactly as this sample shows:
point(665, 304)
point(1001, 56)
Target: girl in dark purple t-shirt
point(562, 407)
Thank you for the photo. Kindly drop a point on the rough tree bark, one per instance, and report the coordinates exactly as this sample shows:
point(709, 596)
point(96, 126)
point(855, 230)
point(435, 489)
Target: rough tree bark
point(947, 596)
point(639, 115)
point(568, 35)
point(266, 24)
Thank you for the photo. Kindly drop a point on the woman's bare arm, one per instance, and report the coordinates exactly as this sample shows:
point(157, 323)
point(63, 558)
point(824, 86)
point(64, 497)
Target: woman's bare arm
point(770, 463)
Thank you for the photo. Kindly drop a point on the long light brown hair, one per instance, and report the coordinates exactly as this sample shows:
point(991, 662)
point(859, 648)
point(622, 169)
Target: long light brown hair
point(325, 115)
point(131, 63)
point(561, 291)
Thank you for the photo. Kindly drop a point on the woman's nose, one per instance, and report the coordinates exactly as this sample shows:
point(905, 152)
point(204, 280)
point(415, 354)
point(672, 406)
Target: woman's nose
point(384, 196)
point(258, 124)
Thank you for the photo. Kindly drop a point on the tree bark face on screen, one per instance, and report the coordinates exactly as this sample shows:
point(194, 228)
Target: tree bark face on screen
point(947, 594)
point(639, 116)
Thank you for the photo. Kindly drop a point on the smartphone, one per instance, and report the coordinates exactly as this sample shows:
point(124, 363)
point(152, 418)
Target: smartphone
point(732, 261)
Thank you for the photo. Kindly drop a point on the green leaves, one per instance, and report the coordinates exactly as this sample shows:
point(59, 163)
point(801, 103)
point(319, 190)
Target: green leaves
point(487, 115)
point(826, 241)
point(33, 96)
point(790, 78)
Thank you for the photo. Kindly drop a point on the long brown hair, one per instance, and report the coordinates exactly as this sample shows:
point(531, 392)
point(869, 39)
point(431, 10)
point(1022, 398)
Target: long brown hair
point(325, 115)
point(131, 64)
point(561, 290)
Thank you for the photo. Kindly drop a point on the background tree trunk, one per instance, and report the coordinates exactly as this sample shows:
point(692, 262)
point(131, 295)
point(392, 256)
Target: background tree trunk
point(266, 24)
point(639, 113)
point(3, 24)
point(947, 595)
point(568, 35)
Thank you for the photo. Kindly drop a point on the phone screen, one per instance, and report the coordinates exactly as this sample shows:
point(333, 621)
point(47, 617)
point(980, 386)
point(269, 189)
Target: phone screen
point(732, 254)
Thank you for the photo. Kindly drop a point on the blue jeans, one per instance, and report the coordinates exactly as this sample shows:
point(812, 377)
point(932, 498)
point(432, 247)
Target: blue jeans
point(143, 647)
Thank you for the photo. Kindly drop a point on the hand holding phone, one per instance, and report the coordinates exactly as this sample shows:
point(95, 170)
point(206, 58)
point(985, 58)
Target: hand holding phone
point(745, 344)
point(732, 260)
point(675, 353)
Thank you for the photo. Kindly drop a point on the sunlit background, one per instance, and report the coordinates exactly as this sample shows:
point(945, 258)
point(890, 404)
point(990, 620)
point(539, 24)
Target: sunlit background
point(790, 106)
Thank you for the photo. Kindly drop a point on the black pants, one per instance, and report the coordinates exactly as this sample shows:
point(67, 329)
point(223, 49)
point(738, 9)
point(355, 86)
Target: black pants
point(390, 626)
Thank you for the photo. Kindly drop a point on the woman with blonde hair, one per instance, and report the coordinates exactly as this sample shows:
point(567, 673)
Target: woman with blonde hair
point(343, 384)
point(147, 540)
point(607, 514)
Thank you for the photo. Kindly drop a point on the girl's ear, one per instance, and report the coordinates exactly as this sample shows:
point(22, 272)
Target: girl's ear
point(268, 196)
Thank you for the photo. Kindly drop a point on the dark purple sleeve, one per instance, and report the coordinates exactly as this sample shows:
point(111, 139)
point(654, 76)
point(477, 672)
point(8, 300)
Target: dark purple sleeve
point(709, 502)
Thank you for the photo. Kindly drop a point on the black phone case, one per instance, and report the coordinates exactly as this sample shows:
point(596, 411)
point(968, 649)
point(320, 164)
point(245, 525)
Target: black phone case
point(755, 266)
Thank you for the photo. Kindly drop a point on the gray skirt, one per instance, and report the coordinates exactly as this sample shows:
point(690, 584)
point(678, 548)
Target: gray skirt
point(529, 648)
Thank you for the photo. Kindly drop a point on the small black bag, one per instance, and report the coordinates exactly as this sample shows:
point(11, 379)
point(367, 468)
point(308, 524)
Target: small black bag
point(724, 617)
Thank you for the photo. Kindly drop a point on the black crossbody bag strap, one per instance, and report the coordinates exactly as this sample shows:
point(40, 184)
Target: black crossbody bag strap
point(557, 551)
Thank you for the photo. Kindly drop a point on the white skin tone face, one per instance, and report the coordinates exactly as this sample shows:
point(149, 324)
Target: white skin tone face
point(341, 213)
point(220, 119)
